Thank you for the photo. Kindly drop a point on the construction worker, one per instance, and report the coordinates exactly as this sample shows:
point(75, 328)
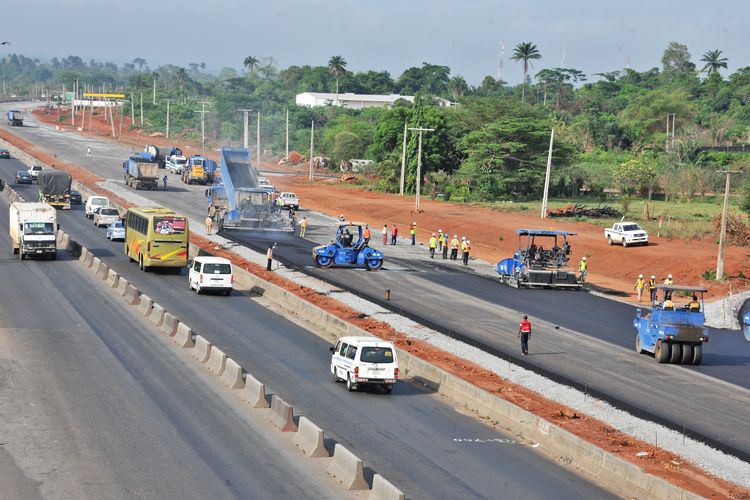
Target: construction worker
point(582, 268)
point(342, 219)
point(88, 152)
point(269, 257)
point(640, 284)
point(413, 233)
point(668, 282)
point(303, 227)
point(385, 234)
point(394, 235)
point(467, 251)
point(454, 247)
point(694, 305)
point(524, 332)
point(209, 224)
point(652, 288)
point(668, 305)
point(440, 240)
point(445, 245)
point(432, 245)
point(366, 234)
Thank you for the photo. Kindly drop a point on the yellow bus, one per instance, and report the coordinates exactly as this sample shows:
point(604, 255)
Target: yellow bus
point(156, 237)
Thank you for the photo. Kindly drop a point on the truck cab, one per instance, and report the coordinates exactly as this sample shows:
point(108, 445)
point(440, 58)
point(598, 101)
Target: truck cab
point(673, 329)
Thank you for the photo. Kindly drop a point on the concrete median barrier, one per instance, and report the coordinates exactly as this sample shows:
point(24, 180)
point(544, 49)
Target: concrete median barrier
point(64, 241)
point(102, 270)
point(217, 361)
point(232, 376)
point(122, 286)
point(384, 490)
point(202, 349)
point(184, 336)
point(309, 439)
point(254, 393)
point(145, 306)
point(347, 469)
point(113, 279)
point(157, 314)
point(86, 258)
point(95, 264)
point(132, 296)
point(169, 325)
point(282, 415)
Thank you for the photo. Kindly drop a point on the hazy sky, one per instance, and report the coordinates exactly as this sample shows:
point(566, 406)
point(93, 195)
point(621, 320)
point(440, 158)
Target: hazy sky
point(597, 36)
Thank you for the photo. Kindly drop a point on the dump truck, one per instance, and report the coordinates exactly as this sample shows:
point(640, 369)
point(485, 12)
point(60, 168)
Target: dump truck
point(237, 202)
point(33, 229)
point(141, 173)
point(15, 118)
point(54, 188)
point(151, 153)
point(194, 171)
point(541, 261)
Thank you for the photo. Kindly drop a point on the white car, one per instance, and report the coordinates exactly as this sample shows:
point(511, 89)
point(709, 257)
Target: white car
point(116, 231)
point(104, 216)
point(94, 202)
point(34, 171)
point(364, 361)
point(626, 233)
point(176, 164)
point(208, 273)
point(289, 200)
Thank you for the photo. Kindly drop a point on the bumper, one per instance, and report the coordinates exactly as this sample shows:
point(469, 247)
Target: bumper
point(378, 381)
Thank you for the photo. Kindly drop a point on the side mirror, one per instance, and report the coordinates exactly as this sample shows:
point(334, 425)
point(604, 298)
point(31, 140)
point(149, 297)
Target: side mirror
point(638, 312)
point(58, 227)
point(332, 349)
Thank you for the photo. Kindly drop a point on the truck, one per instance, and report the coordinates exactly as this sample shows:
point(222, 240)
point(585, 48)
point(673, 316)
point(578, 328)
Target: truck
point(195, 172)
point(141, 173)
point(673, 329)
point(152, 153)
point(54, 188)
point(625, 234)
point(32, 230)
point(175, 160)
point(541, 261)
point(15, 118)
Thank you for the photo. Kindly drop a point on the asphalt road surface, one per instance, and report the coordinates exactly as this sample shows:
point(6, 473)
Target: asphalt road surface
point(594, 348)
point(412, 437)
point(94, 405)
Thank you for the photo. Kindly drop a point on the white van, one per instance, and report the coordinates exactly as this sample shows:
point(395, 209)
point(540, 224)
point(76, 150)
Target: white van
point(94, 202)
point(364, 360)
point(208, 273)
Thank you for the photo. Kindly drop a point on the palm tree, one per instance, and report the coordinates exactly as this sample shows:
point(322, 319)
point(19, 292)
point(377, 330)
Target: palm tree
point(525, 51)
point(457, 86)
point(250, 63)
point(713, 61)
point(337, 66)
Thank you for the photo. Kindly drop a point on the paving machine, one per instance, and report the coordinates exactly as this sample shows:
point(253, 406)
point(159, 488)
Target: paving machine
point(540, 261)
point(236, 201)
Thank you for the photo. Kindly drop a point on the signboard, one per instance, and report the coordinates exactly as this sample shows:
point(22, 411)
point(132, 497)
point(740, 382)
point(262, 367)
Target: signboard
point(169, 224)
point(104, 96)
point(69, 96)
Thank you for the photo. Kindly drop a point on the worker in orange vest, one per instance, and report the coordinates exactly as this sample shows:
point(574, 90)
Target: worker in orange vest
point(366, 234)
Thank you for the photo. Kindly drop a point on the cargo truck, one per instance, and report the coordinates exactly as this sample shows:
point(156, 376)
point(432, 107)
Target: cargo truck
point(141, 173)
point(32, 230)
point(15, 118)
point(54, 188)
point(195, 171)
point(152, 153)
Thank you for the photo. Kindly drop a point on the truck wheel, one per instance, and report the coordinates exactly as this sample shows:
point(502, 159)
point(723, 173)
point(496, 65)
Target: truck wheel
point(387, 388)
point(661, 352)
point(22, 255)
point(609, 240)
point(638, 344)
point(697, 354)
point(335, 376)
point(675, 356)
point(624, 243)
point(687, 354)
point(349, 385)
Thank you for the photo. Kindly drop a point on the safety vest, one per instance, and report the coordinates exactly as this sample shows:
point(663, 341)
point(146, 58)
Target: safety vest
point(651, 284)
point(304, 222)
point(640, 283)
point(668, 282)
point(525, 326)
point(454, 243)
point(467, 248)
point(366, 233)
point(582, 266)
point(413, 230)
point(433, 242)
point(441, 238)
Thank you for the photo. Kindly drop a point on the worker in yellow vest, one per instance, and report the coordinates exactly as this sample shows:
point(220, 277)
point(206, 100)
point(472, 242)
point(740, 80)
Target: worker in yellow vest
point(640, 284)
point(582, 269)
point(413, 233)
point(467, 251)
point(454, 247)
point(432, 245)
point(652, 288)
point(440, 240)
point(668, 282)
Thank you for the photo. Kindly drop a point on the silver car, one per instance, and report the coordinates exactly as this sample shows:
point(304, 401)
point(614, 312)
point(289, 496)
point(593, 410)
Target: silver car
point(116, 231)
point(104, 216)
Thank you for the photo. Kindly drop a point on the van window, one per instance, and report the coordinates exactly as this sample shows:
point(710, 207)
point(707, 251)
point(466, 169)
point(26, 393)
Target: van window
point(344, 347)
point(338, 346)
point(352, 352)
point(197, 266)
point(376, 355)
point(213, 268)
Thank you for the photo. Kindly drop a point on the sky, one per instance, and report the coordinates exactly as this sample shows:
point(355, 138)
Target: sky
point(596, 36)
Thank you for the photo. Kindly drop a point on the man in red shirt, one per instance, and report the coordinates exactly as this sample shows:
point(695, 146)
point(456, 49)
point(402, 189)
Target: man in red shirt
point(394, 235)
point(524, 332)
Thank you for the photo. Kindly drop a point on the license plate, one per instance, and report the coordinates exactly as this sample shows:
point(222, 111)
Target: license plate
point(38, 251)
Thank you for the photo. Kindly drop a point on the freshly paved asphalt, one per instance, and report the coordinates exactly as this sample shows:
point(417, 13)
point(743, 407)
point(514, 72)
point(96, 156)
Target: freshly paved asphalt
point(410, 437)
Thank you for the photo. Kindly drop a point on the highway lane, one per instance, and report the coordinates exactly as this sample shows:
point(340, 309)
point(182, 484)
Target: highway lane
point(671, 395)
point(408, 437)
point(94, 404)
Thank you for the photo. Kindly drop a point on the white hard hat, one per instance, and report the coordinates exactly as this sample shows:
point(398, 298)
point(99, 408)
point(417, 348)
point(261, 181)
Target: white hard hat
point(463, 237)
point(669, 276)
point(341, 215)
point(653, 277)
point(455, 236)
point(467, 241)
point(583, 258)
point(440, 230)
point(413, 223)
point(433, 234)
point(640, 276)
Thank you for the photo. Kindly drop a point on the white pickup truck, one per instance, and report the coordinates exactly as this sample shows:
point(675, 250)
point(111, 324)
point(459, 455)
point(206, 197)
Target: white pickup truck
point(626, 233)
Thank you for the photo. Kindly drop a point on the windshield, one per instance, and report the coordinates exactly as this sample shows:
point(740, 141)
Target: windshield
point(99, 202)
point(376, 355)
point(109, 211)
point(181, 161)
point(631, 227)
point(39, 228)
point(117, 225)
point(197, 163)
point(213, 268)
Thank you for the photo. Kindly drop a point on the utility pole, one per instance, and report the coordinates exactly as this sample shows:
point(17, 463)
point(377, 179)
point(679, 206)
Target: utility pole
point(203, 126)
point(403, 161)
point(141, 109)
point(154, 91)
point(122, 104)
point(547, 175)
point(671, 118)
point(111, 117)
point(312, 136)
point(419, 163)
point(132, 111)
point(287, 136)
point(245, 111)
point(257, 144)
point(73, 104)
point(723, 234)
point(167, 133)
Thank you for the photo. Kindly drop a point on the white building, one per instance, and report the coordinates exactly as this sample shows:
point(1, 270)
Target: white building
point(355, 101)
